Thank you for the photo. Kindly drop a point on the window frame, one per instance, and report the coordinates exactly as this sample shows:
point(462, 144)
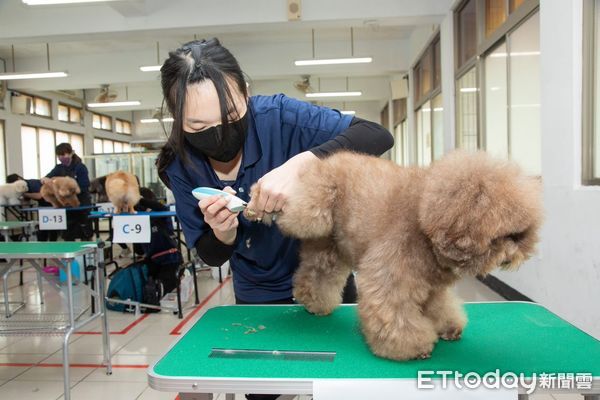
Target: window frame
point(589, 101)
point(102, 116)
point(123, 123)
point(70, 109)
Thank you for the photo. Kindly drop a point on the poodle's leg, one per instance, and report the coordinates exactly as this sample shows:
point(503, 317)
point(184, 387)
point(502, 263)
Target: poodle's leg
point(321, 276)
point(445, 311)
point(390, 302)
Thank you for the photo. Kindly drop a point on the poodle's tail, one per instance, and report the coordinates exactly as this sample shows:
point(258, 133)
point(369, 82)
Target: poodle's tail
point(308, 214)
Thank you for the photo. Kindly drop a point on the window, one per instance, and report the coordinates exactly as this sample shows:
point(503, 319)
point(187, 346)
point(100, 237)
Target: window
point(100, 121)
point(466, 32)
point(437, 130)
point(2, 154)
point(525, 143)
point(424, 134)
point(501, 81)
point(591, 89)
point(33, 105)
point(495, 15)
point(427, 75)
point(466, 107)
point(496, 100)
point(98, 146)
point(514, 4)
point(29, 155)
point(122, 126)
point(68, 113)
point(107, 146)
point(38, 149)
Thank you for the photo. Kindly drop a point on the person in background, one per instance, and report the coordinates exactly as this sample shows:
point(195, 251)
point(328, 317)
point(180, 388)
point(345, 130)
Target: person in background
point(78, 224)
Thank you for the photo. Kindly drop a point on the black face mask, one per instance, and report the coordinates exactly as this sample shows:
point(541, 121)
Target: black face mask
point(219, 145)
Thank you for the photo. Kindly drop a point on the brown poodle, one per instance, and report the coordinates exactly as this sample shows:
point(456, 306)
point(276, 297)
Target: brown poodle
point(123, 191)
point(61, 192)
point(410, 233)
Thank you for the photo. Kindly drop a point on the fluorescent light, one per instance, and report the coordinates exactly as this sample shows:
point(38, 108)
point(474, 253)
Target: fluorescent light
point(32, 75)
point(114, 104)
point(468, 89)
point(150, 68)
point(155, 120)
point(333, 94)
point(48, 2)
point(348, 112)
point(331, 61)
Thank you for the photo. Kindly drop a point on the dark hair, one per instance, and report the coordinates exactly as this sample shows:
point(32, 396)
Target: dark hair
point(65, 148)
point(147, 193)
point(194, 62)
point(12, 178)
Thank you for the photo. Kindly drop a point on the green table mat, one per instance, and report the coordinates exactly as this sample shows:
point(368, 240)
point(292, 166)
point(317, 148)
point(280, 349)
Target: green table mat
point(509, 336)
point(42, 248)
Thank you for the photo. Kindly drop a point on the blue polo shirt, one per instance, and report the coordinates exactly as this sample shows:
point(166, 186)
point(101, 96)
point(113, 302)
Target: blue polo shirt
point(279, 127)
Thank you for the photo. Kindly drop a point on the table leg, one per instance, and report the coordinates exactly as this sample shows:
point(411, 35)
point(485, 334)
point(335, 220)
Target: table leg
point(70, 305)
point(40, 287)
point(523, 397)
point(591, 396)
point(102, 307)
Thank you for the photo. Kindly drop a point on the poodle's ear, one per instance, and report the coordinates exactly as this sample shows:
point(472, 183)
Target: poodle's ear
point(471, 200)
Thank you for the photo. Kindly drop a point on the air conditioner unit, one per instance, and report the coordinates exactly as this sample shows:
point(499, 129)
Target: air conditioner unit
point(20, 104)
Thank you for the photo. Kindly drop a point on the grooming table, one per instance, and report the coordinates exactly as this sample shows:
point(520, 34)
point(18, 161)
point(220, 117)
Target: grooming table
point(6, 227)
point(59, 324)
point(517, 337)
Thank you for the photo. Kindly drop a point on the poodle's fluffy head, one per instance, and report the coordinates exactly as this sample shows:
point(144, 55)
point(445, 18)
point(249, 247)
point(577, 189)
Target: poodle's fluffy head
point(21, 186)
point(66, 187)
point(480, 213)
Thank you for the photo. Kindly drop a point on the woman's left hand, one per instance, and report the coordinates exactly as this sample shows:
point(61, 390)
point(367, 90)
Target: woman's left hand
point(275, 187)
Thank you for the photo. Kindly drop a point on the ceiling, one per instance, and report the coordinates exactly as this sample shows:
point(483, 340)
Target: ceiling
point(106, 43)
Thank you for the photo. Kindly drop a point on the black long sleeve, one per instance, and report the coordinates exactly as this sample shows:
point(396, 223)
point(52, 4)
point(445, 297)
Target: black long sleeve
point(212, 251)
point(361, 136)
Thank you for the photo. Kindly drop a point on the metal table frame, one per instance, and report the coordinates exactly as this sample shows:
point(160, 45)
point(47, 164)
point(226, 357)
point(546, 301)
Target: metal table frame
point(28, 230)
point(63, 326)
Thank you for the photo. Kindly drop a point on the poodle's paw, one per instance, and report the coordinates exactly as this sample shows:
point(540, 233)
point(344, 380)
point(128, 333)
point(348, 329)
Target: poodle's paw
point(318, 309)
point(451, 333)
point(423, 356)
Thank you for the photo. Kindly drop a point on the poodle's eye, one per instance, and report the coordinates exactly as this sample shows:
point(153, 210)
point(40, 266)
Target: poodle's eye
point(516, 237)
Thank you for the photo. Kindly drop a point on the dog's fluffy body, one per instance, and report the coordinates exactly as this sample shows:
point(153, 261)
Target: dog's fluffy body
point(61, 192)
point(11, 193)
point(123, 191)
point(410, 233)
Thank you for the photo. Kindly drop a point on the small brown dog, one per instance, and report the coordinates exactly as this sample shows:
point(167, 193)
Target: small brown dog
point(410, 233)
point(61, 192)
point(123, 191)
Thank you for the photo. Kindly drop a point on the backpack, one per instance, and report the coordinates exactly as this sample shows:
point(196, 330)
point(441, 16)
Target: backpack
point(127, 284)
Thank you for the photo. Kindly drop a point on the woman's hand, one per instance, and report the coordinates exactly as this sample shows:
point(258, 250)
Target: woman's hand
point(275, 187)
point(223, 222)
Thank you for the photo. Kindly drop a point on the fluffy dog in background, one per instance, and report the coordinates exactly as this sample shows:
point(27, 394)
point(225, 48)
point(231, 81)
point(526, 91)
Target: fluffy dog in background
point(61, 192)
point(123, 190)
point(11, 193)
point(411, 233)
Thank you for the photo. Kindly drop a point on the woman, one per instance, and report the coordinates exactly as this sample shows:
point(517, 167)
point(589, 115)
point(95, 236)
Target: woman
point(78, 224)
point(223, 138)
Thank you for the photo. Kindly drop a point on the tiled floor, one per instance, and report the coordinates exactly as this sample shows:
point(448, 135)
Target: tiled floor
point(30, 366)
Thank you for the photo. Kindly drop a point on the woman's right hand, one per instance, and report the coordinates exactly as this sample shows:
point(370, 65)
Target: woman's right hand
point(223, 222)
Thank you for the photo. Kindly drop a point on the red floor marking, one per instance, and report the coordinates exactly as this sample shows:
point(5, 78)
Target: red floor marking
point(74, 365)
point(122, 332)
point(177, 329)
